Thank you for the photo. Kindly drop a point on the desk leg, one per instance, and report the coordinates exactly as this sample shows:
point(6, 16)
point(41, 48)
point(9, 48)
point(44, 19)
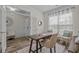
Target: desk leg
point(37, 41)
point(50, 50)
point(40, 47)
point(54, 49)
point(30, 46)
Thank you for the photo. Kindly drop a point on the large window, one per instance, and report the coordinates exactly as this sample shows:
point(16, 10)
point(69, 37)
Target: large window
point(53, 22)
point(61, 21)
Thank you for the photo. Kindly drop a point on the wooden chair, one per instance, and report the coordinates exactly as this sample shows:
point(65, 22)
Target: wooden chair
point(50, 43)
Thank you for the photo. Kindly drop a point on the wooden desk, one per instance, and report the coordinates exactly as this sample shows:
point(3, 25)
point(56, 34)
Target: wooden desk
point(38, 37)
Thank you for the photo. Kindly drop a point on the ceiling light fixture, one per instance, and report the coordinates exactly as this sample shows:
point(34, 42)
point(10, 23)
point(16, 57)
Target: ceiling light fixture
point(11, 8)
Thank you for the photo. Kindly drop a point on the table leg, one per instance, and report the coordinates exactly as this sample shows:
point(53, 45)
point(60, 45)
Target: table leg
point(37, 41)
point(54, 49)
point(50, 50)
point(40, 47)
point(30, 45)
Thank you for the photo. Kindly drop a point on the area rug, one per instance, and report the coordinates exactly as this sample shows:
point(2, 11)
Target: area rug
point(17, 44)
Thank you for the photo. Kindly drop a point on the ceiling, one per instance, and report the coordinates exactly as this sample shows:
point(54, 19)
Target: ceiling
point(41, 8)
point(44, 8)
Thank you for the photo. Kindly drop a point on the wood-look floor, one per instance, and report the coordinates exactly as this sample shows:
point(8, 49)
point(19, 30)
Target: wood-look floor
point(16, 44)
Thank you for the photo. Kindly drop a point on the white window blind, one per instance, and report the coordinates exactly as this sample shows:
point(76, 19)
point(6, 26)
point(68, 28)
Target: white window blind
point(61, 21)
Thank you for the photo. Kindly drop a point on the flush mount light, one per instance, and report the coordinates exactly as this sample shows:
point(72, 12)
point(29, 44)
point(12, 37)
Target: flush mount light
point(11, 8)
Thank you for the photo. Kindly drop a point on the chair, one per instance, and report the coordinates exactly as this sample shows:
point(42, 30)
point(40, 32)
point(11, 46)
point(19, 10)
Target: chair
point(50, 43)
point(65, 38)
point(72, 46)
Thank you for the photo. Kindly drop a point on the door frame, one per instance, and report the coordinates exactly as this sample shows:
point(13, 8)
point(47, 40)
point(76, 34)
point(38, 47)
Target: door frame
point(3, 28)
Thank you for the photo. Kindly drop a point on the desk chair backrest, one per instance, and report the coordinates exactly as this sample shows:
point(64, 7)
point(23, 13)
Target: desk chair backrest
point(50, 43)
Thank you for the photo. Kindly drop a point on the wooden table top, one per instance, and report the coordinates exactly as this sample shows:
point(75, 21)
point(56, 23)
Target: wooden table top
point(40, 36)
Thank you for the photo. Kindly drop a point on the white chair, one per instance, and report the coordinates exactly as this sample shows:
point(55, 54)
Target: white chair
point(74, 45)
point(65, 38)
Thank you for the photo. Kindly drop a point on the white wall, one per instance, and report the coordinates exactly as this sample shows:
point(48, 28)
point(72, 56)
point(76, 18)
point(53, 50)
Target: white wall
point(0, 23)
point(76, 19)
point(35, 17)
point(10, 28)
point(46, 21)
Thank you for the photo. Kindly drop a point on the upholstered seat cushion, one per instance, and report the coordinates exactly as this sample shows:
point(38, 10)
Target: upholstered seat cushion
point(67, 33)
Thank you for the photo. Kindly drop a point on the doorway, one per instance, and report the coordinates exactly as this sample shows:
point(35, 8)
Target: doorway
point(17, 27)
